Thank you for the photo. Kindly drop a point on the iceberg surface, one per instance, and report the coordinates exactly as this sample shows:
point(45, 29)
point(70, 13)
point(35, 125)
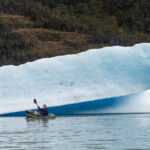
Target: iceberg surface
point(95, 74)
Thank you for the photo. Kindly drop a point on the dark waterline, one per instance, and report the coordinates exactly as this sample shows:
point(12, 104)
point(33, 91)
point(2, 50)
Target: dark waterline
point(95, 107)
point(108, 132)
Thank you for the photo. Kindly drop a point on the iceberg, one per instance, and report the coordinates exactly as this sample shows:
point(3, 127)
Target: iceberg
point(96, 74)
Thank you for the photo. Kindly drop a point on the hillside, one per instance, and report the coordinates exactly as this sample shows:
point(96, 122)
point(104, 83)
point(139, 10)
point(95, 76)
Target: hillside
point(33, 29)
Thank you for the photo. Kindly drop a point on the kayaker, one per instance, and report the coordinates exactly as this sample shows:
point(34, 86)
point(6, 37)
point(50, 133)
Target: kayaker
point(44, 110)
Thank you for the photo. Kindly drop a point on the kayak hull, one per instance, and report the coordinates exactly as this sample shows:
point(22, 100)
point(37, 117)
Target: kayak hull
point(35, 115)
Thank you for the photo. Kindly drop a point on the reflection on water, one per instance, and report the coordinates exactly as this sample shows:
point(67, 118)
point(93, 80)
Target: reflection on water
point(44, 122)
point(111, 132)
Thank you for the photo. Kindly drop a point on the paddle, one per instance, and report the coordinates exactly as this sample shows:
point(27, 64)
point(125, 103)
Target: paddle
point(35, 102)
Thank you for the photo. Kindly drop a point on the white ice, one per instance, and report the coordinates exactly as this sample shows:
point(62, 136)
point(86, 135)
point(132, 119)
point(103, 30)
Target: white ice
point(94, 74)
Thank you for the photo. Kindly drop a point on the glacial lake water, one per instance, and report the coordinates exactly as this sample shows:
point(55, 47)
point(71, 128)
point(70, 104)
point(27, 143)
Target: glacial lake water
point(108, 132)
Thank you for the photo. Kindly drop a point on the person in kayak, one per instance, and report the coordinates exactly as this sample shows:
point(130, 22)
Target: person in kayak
point(44, 110)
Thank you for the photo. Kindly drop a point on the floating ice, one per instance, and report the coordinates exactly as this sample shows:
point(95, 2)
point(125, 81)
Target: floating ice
point(94, 74)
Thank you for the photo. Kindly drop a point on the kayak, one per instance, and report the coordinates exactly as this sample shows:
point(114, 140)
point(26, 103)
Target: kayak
point(32, 114)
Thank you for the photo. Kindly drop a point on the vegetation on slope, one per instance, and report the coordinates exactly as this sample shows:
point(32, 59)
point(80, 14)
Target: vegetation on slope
point(33, 29)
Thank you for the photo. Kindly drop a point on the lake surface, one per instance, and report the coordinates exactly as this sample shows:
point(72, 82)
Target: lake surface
point(108, 132)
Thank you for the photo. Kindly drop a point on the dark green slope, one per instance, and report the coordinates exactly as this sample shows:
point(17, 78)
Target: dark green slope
point(61, 27)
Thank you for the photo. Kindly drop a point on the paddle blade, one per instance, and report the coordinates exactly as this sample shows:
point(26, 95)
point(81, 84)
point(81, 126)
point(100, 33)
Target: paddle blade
point(35, 101)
